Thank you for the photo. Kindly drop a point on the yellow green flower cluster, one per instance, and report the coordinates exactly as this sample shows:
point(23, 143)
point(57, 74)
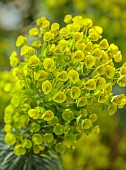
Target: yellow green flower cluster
point(62, 74)
point(111, 15)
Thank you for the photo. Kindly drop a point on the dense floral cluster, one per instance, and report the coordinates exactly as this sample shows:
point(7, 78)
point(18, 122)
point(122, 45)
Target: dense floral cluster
point(111, 15)
point(62, 74)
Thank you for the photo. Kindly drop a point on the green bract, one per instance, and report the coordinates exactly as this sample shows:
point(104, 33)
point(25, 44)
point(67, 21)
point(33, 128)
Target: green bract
point(67, 115)
point(64, 74)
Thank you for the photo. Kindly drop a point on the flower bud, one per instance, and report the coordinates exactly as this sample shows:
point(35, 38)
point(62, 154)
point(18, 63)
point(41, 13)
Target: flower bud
point(33, 32)
point(55, 26)
point(39, 21)
point(68, 18)
point(45, 24)
point(21, 40)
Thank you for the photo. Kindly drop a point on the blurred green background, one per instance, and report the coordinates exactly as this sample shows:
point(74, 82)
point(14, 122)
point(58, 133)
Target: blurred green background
point(108, 150)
